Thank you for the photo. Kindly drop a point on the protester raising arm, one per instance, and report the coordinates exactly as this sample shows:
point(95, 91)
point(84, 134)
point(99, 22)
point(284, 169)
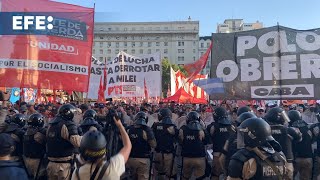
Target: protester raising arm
point(125, 151)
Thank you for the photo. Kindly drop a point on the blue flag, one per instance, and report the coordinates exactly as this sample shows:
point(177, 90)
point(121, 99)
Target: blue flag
point(15, 95)
point(210, 86)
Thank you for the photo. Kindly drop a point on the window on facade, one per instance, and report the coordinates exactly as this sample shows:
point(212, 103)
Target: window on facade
point(125, 50)
point(117, 51)
point(149, 44)
point(109, 29)
point(133, 44)
point(133, 51)
point(109, 58)
point(165, 43)
point(125, 29)
point(157, 50)
point(157, 43)
point(101, 51)
point(93, 51)
point(101, 37)
point(208, 45)
point(166, 28)
point(194, 51)
point(117, 44)
point(133, 29)
point(101, 59)
point(101, 44)
point(141, 44)
point(194, 58)
point(180, 43)
point(194, 43)
point(149, 51)
point(180, 58)
point(165, 51)
point(125, 44)
point(141, 51)
point(109, 44)
point(165, 57)
point(109, 51)
point(180, 50)
point(202, 45)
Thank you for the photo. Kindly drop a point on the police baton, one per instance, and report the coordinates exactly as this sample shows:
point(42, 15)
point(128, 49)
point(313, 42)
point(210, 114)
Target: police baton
point(39, 166)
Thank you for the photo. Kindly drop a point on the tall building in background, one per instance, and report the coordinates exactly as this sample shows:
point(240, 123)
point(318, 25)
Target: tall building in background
point(204, 44)
point(236, 25)
point(176, 40)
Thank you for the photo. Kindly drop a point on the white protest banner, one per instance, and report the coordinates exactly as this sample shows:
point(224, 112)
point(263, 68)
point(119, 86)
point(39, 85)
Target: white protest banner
point(96, 72)
point(126, 75)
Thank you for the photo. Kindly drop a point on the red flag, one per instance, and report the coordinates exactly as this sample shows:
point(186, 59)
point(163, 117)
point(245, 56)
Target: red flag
point(194, 68)
point(101, 91)
point(146, 95)
point(105, 76)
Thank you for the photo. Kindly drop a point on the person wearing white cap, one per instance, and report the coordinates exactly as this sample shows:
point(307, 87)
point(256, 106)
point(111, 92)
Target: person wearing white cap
point(260, 112)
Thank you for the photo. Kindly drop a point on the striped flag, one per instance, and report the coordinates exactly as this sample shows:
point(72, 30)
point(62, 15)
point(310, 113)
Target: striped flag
point(210, 86)
point(146, 94)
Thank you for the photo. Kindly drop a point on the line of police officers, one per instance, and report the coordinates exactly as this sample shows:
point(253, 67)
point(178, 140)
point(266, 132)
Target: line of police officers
point(276, 147)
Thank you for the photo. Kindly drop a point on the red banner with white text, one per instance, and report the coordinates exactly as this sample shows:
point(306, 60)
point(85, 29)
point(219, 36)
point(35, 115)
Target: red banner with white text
point(60, 60)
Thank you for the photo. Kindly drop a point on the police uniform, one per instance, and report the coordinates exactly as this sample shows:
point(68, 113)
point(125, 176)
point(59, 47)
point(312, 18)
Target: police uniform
point(34, 148)
point(259, 156)
point(142, 139)
point(89, 124)
point(166, 134)
point(219, 131)
point(315, 129)
point(193, 139)
point(62, 141)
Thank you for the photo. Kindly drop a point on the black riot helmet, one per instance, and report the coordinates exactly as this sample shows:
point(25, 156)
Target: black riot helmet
point(93, 146)
point(243, 109)
point(36, 120)
point(67, 111)
point(165, 116)
point(193, 120)
point(245, 116)
point(90, 113)
point(141, 118)
point(19, 119)
point(294, 115)
point(220, 115)
point(276, 116)
point(193, 116)
point(255, 132)
point(89, 122)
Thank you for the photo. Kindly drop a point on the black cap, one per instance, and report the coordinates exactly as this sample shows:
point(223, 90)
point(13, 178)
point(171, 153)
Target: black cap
point(101, 105)
point(84, 107)
point(6, 144)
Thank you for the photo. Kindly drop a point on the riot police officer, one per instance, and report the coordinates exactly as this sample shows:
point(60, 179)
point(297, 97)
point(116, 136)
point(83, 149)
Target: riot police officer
point(166, 134)
point(62, 141)
point(34, 146)
point(230, 147)
point(302, 150)
point(260, 156)
point(143, 140)
point(243, 109)
point(193, 139)
point(90, 113)
point(15, 130)
point(219, 131)
point(315, 129)
point(276, 117)
point(89, 123)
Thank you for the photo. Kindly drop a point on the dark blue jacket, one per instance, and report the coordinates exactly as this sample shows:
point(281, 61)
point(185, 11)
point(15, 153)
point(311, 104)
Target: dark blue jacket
point(12, 170)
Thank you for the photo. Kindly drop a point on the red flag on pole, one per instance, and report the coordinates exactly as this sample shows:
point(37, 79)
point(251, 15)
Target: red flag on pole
point(194, 68)
point(146, 95)
point(101, 91)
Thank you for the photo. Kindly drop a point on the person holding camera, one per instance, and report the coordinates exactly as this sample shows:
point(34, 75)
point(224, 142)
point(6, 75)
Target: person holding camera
point(143, 139)
point(93, 152)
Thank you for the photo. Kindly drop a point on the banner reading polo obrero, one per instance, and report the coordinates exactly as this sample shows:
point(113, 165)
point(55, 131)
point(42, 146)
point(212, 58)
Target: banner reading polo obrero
point(58, 57)
point(126, 75)
point(270, 63)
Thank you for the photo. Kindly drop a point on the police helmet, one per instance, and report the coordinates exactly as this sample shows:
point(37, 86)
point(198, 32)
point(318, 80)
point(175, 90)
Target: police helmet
point(89, 122)
point(276, 116)
point(93, 146)
point(255, 132)
point(244, 116)
point(294, 115)
point(67, 111)
point(90, 113)
point(19, 119)
point(193, 116)
point(141, 118)
point(219, 113)
point(164, 113)
point(36, 120)
point(243, 109)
